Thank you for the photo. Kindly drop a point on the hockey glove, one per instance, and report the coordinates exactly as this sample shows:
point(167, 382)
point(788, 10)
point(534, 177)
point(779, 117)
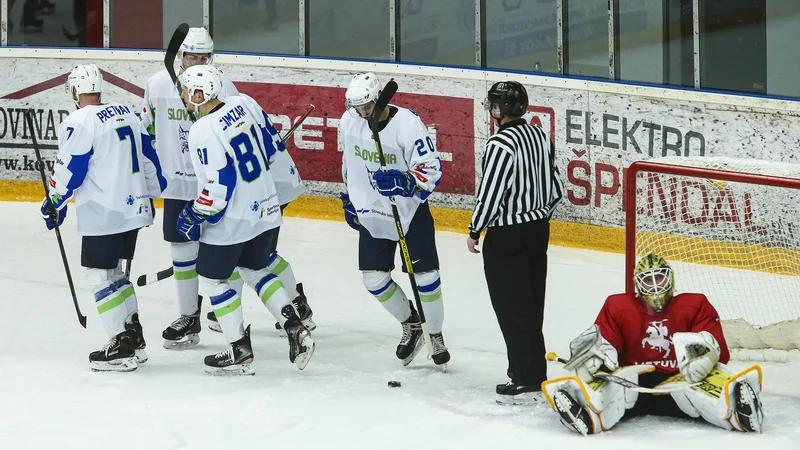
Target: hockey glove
point(697, 354)
point(394, 182)
point(589, 353)
point(52, 217)
point(189, 222)
point(349, 211)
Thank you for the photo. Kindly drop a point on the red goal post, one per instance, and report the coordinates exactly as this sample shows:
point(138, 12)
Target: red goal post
point(731, 229)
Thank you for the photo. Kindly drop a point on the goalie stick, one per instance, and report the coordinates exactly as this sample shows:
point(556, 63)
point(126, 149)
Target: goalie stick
point(40, 165)
point(626, 383)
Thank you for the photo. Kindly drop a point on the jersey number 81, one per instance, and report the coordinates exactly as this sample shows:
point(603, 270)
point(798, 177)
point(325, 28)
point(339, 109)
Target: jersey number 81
point(248, 161)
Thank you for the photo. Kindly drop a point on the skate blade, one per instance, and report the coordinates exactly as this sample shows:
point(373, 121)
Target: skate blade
point(417, 348)
point(189, 341)
point(567, 418)
point(117, 365)
point(141, 356)
point(309, 324)
point(214, 326)
point(524, 399)
point(231, 371)
point(303, 358)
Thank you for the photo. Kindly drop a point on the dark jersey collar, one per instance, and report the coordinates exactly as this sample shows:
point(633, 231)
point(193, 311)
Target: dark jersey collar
point(512, 123)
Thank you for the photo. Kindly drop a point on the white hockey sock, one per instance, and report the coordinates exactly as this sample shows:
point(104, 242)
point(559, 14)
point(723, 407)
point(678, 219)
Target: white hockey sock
point(237, 282)
point(269, 289)
point(388, 293)
point(109, 300)
point(430, 295)
point(184, 261)
point(122, 283)
point(283, 270)
point(227, 307)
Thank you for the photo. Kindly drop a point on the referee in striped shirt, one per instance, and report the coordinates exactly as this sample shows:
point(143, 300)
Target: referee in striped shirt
point(520, 187)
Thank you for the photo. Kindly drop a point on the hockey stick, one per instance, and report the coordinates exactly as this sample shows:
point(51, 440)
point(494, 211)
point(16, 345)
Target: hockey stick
point(297, 124)
point(626, 383)
point(169, 59)
point(128, 263)
point(383, 101)
point(52, 210)
point(151, 278)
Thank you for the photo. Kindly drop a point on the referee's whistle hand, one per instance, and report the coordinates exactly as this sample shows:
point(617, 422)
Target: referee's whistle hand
point(471, 245)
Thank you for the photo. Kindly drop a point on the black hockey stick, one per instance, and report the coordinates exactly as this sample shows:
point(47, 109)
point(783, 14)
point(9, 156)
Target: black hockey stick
point(52, 210)
point(169, 59)
point(626, 383)
point(151, 278)
point(383, 101)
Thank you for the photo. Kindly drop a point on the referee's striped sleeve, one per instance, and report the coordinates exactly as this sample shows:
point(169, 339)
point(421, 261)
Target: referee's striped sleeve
point(497, 172)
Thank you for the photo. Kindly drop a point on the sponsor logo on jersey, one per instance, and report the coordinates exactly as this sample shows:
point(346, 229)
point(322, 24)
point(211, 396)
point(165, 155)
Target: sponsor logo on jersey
point(372, 181)
point(658, 337)
point(130, 200)
point(373, 157)
point(204, 199)
point(178, 114)
point(183, 137)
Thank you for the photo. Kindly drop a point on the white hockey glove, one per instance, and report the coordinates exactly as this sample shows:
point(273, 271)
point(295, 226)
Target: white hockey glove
point(589, 352)
point(697, 354)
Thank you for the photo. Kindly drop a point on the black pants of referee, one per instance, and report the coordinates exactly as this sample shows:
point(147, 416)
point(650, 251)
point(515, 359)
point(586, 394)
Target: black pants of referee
point(515, 264)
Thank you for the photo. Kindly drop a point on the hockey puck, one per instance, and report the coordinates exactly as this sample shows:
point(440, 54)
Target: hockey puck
point(394, 384)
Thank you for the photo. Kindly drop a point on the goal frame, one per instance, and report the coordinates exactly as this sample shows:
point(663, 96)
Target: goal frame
point(629, 190)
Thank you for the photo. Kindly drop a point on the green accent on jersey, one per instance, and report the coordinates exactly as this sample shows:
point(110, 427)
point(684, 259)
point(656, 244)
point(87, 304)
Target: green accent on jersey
point(185, 275)
point(229, 308)
point(273, 288)
point(116, 301)
point(371, 156)
point(388, 294)
point(181, 114)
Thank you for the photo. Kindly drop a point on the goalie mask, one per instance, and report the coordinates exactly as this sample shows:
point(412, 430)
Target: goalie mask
point(206, 79)
point(654, 281)
point(85, 79)
point(362, 93)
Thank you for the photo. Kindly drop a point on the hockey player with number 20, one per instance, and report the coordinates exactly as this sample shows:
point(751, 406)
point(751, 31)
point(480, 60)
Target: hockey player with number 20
point(413, 172)
point(656, 339)
point(113, 177)
point(236, 217)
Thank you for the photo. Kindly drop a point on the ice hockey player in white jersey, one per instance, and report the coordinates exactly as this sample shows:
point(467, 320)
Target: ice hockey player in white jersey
point(413, 172)
point(235, 216)
point(168, 123)
point(113, 178)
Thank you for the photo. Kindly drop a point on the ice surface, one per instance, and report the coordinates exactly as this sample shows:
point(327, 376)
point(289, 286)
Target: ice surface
point(50, 399)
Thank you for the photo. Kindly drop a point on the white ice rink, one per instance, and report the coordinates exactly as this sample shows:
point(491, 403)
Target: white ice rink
point(50, 399)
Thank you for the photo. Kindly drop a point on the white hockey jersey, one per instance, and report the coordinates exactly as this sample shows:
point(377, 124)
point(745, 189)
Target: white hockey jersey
point(102, 162)
point(407, 147)
point(284, 172)
point(230, 149)
point(168, 124)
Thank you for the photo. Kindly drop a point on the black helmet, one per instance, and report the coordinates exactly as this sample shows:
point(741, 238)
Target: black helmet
point(511, 96)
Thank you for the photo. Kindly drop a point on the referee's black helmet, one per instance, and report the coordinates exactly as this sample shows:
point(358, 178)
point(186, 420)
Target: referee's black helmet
point(510, 96)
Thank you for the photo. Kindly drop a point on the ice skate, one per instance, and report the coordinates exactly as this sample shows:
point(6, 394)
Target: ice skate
point(301, 346)
point(135, 330)
point(234, 360)
point(411, 342)
point(748, 410)
point(573, 415)
point(213, 324)
point(516, 394)
point(441, 356)
point(182, 333)
point(118, 355)
point(303, 310)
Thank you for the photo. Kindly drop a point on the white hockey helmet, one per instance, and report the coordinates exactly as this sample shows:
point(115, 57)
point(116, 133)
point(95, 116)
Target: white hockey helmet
point(207, 79)
point(84, 79)
point(198, 41)
point(363, 88)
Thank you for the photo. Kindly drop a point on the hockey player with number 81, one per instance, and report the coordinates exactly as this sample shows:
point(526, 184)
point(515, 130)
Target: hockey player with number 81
point(658, 339)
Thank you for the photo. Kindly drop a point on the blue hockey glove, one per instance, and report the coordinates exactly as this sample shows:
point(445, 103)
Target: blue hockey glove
point(394, 182)
point(189, 222)
point(51, 216)
point(349, 211)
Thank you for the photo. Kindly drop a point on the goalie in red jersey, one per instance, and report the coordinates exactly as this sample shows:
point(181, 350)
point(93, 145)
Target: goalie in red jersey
point(658, 339)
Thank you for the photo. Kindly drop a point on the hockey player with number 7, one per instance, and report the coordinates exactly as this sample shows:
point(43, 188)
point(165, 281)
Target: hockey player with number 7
point(236, 217)
point(413, 172)
point(661, 340)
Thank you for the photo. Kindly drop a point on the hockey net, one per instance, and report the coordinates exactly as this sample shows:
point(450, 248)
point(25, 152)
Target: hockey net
point(730, 228)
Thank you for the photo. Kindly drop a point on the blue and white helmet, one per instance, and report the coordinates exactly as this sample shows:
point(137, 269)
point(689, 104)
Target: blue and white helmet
point(197, 40)
point(84, 79)
point(363, 88)
point(207, 79)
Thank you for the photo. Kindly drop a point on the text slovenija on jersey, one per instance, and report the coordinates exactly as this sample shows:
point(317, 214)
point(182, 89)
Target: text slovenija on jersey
point(647, 339)
point(102, 162)
point(407, 147)
point(230, 150)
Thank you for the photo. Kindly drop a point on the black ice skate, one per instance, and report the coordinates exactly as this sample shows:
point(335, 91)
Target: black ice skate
point(748, 407)
point(118, 355)
point(135, 330)
point(182, 333)
point(411, 342)
point(213, 324)
point(441, 356)
point(301, 346)
point(573, 415)
point(235, 360)
point(303, 310)
point(517, 394)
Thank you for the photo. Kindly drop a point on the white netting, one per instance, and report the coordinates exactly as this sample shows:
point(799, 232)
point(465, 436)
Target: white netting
point(736, 242)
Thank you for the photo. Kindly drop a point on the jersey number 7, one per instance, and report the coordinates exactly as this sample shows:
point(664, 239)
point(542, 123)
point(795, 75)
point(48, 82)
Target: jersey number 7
point(127, 133)
point(248, 161)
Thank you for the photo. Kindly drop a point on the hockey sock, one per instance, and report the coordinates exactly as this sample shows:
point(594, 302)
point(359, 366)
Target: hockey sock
point(227, 307)
point(283, 270)
point(122, 284)
point(269, 289)
point(388, 293)
point(109, 300)
point(237, 282)
point(184, 260)
point(430, 295)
